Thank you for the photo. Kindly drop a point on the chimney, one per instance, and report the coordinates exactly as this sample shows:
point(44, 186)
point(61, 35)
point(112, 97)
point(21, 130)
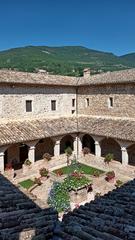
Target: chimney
point(86, 72)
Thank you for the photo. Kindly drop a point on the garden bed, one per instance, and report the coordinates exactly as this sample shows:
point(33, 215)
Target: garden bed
point(27, 183)
point(59, 196)
point(82, 168)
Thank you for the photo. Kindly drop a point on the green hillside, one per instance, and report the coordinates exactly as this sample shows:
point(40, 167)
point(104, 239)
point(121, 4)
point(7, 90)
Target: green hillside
point(129, 59)
point(68, 60)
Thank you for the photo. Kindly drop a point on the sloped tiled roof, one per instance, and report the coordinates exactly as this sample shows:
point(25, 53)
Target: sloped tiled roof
point(111, 217)
point(124, 76)
point(14, 77)
point(20, 216)
point(120, 128)
point(33, 129)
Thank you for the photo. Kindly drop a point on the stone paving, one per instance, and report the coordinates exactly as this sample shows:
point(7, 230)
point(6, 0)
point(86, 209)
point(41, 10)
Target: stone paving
point(100, 185)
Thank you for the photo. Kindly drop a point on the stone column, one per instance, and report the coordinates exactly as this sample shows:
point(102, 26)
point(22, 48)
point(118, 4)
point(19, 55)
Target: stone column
point(31, 151)
point(75, 146)
point(124, 155)
point(97, 149)
point(2, 153)
point(57, 148)
point(31, 154)
point(2, 162)
point(79, 145)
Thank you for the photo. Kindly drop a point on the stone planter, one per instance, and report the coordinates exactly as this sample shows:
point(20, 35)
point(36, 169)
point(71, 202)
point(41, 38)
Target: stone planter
point(26, 168)
point(78, 195)
point(9, 173)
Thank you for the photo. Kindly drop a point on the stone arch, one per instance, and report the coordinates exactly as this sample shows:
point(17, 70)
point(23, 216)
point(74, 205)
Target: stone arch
point(131, 154)
point(66, 141)
point(88, 141)
point(16, 154)
point(110, 145)
point(44, 146)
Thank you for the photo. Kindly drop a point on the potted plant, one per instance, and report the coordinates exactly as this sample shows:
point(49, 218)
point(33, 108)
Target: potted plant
point(27, 162)
point(110, 176)
point(108, 158)
point(8, 167)
point(47, 156)
point(118, 183)
point(85, 151)
point(37, 181)
point(44, 173)
point(96, 173)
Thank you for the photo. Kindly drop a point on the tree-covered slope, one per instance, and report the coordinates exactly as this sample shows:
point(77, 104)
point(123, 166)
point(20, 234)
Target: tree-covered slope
point(129, 59)
point(68, 60)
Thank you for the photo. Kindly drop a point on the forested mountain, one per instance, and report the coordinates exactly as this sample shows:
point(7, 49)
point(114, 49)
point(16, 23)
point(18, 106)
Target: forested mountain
point(68, 60)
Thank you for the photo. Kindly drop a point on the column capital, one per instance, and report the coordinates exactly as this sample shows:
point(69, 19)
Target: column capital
point(2, 154)
point(123, 149)
point(31, 143)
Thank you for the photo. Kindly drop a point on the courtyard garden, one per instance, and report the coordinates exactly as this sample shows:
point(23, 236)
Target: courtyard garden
point(79, 167)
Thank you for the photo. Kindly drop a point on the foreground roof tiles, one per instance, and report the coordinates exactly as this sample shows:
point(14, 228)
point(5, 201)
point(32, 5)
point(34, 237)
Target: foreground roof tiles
point(111, 217)
point(20, 216)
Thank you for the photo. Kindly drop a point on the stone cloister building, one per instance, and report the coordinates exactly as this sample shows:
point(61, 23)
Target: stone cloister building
point(43, 113)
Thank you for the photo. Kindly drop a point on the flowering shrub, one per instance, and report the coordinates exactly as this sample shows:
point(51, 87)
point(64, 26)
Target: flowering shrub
point(59, 172)
point(43, 172)
point(75, 182)
point(85, 151)
point(76, 174)
point(59, 197)
point(8, 166)
point(59, 194)
point(110, 176)
point(47, 156)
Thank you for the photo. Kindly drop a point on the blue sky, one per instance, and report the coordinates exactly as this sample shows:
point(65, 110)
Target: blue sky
point(107, 25)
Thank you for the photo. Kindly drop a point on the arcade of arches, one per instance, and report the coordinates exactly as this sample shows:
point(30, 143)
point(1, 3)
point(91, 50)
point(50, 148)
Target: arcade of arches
point(109, 145)
point(34, 150)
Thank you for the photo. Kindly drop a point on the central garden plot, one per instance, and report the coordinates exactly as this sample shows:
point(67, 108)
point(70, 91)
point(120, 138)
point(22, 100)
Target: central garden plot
point(79, 167)
point(74, 188)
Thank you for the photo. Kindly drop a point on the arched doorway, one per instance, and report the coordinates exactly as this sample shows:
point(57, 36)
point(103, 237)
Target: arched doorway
point(88, 141)
point(15, 155)
point(66, 142)
point(44, 146)
point(131, 154)
point(23, 153)
point(109, 145)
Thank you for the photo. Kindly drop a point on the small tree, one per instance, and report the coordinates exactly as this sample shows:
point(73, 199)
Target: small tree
point(68, 152)
point(108, 158)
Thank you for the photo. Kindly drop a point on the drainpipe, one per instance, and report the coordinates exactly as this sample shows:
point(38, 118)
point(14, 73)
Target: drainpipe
point(77, 116)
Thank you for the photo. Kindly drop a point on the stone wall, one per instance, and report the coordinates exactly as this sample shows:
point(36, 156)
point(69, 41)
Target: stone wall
point(123, 95)
point(13, 101)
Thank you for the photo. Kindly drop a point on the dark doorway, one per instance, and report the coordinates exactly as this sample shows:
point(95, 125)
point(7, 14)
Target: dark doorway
point(88, 141)
point(66, 142)
point(23, 153)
